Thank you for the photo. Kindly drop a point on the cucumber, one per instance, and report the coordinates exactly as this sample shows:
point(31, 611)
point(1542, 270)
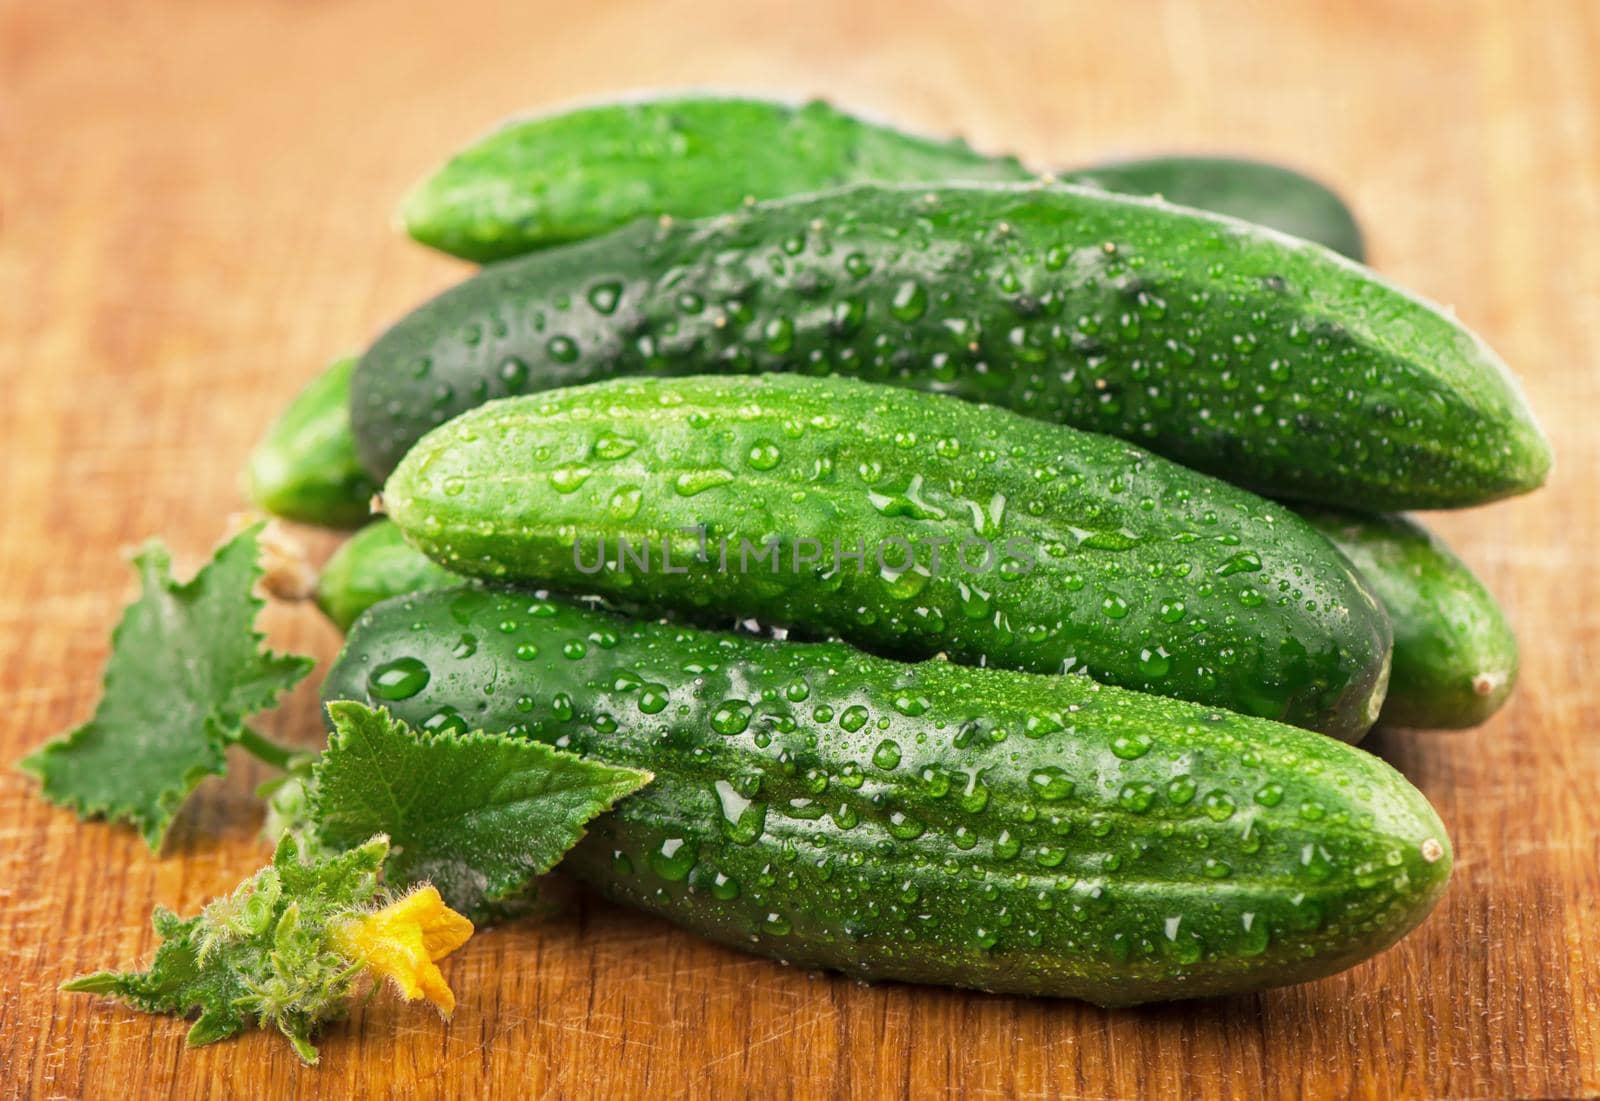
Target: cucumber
point(582, 173)
point(1455, 656)
point(932, 823)
point(1036, 547)
point(374, 564)
point(305, 467)
point(563, 177)
point(1229, 348)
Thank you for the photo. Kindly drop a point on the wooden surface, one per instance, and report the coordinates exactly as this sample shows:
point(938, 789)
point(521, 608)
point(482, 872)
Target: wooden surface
point(195, 213)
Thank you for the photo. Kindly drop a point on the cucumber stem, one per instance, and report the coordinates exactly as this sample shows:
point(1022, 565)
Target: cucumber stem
point(267, 750)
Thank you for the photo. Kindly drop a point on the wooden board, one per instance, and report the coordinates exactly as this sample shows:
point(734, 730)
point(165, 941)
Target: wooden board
point(195, 211)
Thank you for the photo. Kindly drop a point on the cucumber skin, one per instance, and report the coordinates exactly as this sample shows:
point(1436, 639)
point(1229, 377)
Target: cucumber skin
point(574, 174)
point(375, 564)
point(1229, 348)
point(1139, 562)
point(1455, 656)
point(1178, 824)
point(305, 468)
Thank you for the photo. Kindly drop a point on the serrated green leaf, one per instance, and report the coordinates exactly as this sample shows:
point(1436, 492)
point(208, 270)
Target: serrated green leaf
point(478, 815)
point(186, 670)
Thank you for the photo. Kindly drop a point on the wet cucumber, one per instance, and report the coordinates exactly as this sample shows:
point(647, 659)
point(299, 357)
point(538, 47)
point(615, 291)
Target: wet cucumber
point(1455, 656)
point(374, 564)
point(1036, 546)
point(305, 467)
point(563, 177)
point(1229, 348)
point(932, 823)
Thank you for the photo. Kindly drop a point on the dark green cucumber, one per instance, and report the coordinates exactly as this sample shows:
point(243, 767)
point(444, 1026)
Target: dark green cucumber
point(933, 823)
point(563, 177)
point(1036, 546)
point(1254, 191)
point(305, 467)
point(374, 564)
point(1455, 656)
point(1232, 349)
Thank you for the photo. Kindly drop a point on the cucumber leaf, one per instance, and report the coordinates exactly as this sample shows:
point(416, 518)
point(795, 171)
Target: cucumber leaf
point(478, 815)
point(186, 669)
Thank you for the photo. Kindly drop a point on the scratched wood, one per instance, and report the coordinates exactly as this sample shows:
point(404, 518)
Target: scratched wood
point(194, 215)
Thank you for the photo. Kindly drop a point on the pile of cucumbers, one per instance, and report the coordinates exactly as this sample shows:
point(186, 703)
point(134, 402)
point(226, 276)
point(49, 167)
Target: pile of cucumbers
point(987, 564)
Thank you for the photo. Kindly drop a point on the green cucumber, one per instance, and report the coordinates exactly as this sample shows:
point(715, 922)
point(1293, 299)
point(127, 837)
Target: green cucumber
point(1036, 546)
point(374, 564)
point(562, 177)
point(583, 173)
point(932, 823)
point(1455, 656)
point(1229, 348)
point(305, 467)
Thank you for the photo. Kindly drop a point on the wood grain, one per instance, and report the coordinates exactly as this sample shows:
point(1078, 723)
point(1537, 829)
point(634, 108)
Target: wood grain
point(194, 215)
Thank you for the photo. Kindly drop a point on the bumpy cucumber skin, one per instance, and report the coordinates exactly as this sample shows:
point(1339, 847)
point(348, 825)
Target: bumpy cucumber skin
point(1146, 575)
point(1455, 656)
point(375, 564)
point(564, 177)
point(934, 823)
point(1254, 191)
point(1238, 351)
point(305, 467)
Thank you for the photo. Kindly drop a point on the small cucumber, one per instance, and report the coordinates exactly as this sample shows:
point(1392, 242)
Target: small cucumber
point(374, 564)
point(305, 467)
point(931, 823)
point(1455, 656)
point(1229, 348)
point(563, 177)
point(1035, 546)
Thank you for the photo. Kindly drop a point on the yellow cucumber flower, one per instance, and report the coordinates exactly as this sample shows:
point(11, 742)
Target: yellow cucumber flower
point(403, 941)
